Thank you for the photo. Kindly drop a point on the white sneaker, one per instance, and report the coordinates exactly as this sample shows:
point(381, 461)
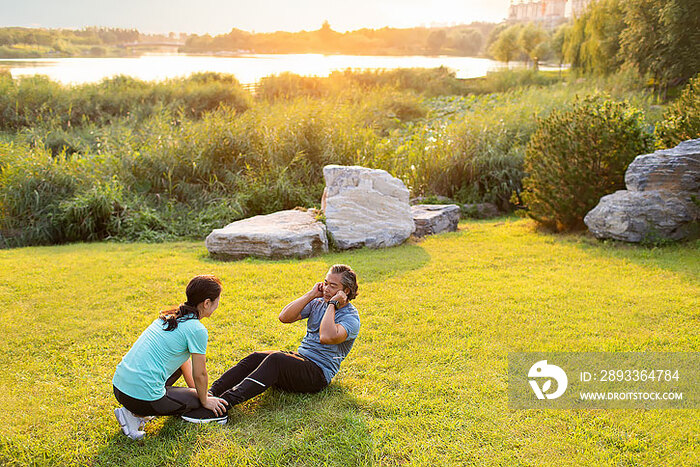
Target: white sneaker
point(130, 423)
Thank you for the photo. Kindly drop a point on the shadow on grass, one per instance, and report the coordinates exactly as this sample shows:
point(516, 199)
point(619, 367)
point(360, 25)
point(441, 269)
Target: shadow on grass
point(172, 444)
point(378, 265)
point(326, 428)
point(681, 259)
point(275, 428)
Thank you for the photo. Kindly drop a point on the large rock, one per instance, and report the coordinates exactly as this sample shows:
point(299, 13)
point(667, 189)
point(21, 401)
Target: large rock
point(435, 218)
point(675, 170)
point(633, 216)
point(284, 234)
point(365, 207)
point(660, 202)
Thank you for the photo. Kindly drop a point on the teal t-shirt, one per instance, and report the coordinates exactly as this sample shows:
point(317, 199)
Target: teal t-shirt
point(156, 355)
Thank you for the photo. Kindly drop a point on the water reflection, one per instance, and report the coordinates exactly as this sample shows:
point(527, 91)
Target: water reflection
point(247, 68)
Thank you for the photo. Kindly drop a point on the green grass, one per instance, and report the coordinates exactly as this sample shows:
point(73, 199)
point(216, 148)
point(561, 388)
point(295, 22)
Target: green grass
point(425, 384)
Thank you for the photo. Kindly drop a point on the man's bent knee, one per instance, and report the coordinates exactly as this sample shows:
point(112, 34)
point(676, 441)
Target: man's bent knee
point(276, 357)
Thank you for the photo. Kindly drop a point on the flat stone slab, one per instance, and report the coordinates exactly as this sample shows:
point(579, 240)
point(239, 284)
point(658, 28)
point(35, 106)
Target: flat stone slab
point(284, 234)
point(365, 207)
point(431, 219)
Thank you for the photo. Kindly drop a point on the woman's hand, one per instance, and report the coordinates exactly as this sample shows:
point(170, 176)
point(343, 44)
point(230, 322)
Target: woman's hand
point(216, 405)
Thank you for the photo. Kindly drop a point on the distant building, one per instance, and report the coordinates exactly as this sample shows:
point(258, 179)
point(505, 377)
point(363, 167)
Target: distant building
point(576, 7)
point(549, 13)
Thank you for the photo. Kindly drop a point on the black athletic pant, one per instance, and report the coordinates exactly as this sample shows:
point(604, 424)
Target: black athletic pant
point(176, 401)
point(258, 371)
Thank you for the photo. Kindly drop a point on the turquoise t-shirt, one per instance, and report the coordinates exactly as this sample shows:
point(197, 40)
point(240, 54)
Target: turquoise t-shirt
point(328, 356)
point(156, 355)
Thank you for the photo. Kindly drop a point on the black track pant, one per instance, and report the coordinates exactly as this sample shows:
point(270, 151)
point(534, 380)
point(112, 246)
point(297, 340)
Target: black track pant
point(258, 371)
point(176, 401)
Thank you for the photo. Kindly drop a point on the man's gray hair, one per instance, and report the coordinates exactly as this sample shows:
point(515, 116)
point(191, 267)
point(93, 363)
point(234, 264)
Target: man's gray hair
point(348, 278)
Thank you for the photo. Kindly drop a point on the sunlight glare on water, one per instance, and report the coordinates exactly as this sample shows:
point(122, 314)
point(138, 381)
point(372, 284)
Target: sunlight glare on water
point(246, 68)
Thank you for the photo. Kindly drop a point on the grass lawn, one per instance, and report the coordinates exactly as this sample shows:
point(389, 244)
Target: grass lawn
point(425, 384)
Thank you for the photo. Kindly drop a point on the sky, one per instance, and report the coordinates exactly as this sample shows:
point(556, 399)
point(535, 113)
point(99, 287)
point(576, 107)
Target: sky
point(220, 16)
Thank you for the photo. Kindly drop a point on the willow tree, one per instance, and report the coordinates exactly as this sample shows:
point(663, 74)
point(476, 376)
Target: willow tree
point(592, 44)
point(532, 41)
point(662, 38)
point(506, 48)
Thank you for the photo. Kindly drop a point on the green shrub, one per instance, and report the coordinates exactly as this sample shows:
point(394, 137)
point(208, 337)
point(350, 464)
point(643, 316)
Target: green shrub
point(462, 162)
point(32, 184)
point(471, 148)
point(490, 166)
point(289, 86)
point(505, 80)
point(31, 101)
point(578, 155)
point(425, 81)
point(143, 223)
point(206, 92)
point(682, 119)
point(95, 214)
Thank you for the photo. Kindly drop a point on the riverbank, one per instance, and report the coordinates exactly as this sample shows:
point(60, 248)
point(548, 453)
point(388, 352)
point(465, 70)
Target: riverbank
point(27, 51)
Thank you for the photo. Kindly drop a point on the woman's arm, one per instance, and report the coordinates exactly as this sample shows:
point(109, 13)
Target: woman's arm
point(186, 369)
point(201, 383)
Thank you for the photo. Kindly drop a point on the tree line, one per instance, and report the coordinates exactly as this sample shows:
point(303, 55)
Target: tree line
point(658, 38)
point(17, 42)
point(465, 40)
point(49, 37)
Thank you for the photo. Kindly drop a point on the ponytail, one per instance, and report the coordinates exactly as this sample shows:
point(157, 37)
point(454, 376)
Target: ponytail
point(198, 290)
point(173, 316)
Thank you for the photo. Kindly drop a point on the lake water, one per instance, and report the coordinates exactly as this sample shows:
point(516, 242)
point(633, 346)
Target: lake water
point(246, 68)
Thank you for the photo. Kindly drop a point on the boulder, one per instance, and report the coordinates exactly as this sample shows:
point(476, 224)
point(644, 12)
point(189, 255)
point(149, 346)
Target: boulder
point(675, 170)
point(660, 202)
point(634, 216)
point(435, 218)
point(365, 207)
point(284, 234)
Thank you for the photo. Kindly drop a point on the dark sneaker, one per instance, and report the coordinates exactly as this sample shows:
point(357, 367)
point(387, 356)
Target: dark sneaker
point(203, 415)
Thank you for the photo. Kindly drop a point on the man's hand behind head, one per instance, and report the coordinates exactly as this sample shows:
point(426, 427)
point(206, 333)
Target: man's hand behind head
point(317, 290)
point(342, 298)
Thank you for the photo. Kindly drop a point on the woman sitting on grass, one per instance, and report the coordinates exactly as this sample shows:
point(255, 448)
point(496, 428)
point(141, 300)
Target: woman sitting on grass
point(144, 378)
